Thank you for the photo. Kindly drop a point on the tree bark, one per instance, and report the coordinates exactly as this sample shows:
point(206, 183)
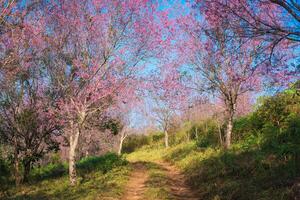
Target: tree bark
point(17, 170)
point(229, 130)
point(72, 155)
point(123, 136)
point(16, 164)
point(220, 135)
point(166, 139)
point(27, 167)
point(120, 147)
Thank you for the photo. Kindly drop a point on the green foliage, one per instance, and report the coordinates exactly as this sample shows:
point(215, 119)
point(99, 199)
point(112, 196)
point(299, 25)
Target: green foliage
point(104, 163)
point(113, 125)
point(180, 136)
point(48, 171)
point(5, 174)
point(55, 158)
point(205, 133)
point(156, 137)
point(86, 165)
point(134, 142)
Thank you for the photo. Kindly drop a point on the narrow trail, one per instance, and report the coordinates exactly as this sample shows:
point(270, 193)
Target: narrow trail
point(178, 188)
point(136, 185)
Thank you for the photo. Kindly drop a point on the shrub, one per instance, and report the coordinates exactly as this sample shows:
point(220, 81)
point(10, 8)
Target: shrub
point(49, 171)
point(206, 134)
point(86, 165)
point(4, 174)
point(134, 142)
point(157, 137)
point(103, 163)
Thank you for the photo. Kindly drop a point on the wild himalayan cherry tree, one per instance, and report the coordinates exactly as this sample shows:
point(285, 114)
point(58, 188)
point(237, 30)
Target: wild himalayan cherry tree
point(27, 120)
point(127, 106)
point(203, 109)
point(274, 23)
point(273, 19)
point(169, 97)
point(95, 48)
point(224, 64)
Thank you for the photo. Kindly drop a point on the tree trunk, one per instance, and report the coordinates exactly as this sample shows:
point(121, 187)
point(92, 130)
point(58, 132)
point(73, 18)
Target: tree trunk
point(17, 170)
point(297, 163)
point(229, 131)
point(72, 155)
point(196, 133)
point(166, 139)
point(188, 135)
point(220, 135)
point(120, 147)
point(27, 167)
point(16, 164)
point(123, 137)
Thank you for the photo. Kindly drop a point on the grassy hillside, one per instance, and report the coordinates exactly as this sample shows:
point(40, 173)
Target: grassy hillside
point(263, 162)
point(100, 178)
point(215, 174)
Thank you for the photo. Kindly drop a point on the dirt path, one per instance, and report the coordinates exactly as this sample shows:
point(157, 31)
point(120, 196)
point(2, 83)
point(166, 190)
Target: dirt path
point(178, 189)
point(136, 185)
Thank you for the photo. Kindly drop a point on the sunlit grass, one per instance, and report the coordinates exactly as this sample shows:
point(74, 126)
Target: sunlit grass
point(97, 180)
point(147, 153)
point(244, 172)
point(157, 183)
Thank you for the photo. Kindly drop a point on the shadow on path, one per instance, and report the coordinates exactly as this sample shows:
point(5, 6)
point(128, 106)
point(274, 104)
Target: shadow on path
point(166, 176)
point(136, 184)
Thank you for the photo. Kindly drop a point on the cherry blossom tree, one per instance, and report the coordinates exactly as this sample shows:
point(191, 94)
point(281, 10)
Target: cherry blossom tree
point(273, 24)
point(273, 19)
point(169, 97)
point(223, 64)
point(27, 118)
point(94, 48)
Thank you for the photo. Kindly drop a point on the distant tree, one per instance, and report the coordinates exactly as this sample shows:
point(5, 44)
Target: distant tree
point(169, 98)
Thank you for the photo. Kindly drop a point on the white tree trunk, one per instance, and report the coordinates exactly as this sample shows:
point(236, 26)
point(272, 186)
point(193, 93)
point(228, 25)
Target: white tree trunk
point(229, 131)
point(72, 155)
point(166, 139)
point(123, 137)
point(120, 147)
point(196, 133)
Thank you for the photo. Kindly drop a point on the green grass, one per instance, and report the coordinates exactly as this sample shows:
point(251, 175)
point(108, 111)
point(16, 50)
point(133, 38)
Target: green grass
point(147, 153)
point(99, 178)
point(157, 183)
point(245, 172)
point(235, 174)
